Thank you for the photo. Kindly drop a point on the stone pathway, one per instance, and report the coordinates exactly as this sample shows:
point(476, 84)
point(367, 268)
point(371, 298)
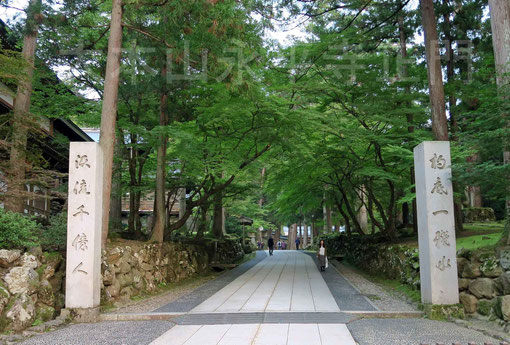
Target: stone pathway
point(258, 334)
point(278, 300)
point(191, 300)
point(286, 281)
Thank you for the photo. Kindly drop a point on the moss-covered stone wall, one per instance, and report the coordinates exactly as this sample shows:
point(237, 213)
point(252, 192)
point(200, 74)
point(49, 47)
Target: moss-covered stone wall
point(32, 283)
point(483, 283)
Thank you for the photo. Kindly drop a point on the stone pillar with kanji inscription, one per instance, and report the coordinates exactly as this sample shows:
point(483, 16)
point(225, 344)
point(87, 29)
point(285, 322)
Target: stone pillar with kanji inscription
point(83, 271)
point(436, 224)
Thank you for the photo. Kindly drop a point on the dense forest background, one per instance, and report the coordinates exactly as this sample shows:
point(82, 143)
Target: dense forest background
point(196, 103)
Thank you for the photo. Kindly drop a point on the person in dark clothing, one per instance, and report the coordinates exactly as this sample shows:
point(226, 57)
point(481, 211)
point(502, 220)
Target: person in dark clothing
point(298, 242)
point(270, 244)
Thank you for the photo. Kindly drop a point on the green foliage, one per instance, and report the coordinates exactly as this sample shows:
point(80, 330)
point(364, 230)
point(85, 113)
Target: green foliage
point(486, 307)
point(326, 136)
point(478, 242)
point(444, 312)
point(54, 235)
point(11, 67)
point(233, 227)
point(17, 231)
point(412, 293)
point(397, 262)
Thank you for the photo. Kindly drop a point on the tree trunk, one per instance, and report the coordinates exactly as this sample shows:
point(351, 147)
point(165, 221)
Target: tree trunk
point(391, 227)
point(379, 208)
point(362, 212)
point(459, 219)
point(182, 202)
point(138, 221)
point(435, 75)
point(452, 103)
point(500, 23)
point(350, 211)
point(131, 216)
point(410, 117)
point(300, 232)
point(370, 208)
point(450, 71)
point(218, 215)
point(292, 237)
point(223, 221)
point(324, 218)
point(262, 178)
point(305, 235)
point(116, 196)
point(202, 226)
point(328, 219)
point(21, 116)
point(109, 110)
point(475, 196)
point(134, 222)
point(345, 216)
point(474, 193)
point(161, 211)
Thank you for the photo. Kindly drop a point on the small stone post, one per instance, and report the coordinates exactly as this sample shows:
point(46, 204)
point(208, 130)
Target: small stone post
point(436, 225)
point(83, 271)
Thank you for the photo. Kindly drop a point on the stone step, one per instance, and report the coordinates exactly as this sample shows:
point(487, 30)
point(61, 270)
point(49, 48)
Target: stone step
point(250, 317)
point(257, 334)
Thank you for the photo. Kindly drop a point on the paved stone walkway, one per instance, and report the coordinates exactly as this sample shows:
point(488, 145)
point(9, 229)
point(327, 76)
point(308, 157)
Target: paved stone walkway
point(286, 281)
point(258, 334)
point(190, 301)
point(278, 300)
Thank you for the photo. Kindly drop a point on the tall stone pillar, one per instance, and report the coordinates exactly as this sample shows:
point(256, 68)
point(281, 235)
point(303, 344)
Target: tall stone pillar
point(85, 210)
point(436, 225)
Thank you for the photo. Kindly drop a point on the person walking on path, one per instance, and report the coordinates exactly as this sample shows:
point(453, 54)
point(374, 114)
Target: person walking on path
point(270, 244)
point(298, 242)
point(321, 255)
point(279, 245)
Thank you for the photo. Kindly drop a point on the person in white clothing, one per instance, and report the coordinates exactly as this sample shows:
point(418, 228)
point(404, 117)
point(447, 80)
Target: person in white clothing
point(321, 255)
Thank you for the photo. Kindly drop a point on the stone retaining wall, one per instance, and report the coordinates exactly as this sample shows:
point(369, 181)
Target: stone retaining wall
point(32, 284)
point(31, 288)
point(478, 214)
point(484, 285)
point(131, 268)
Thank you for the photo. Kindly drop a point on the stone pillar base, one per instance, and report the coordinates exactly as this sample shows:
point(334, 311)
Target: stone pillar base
point(444, 311)
point(81, 315)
